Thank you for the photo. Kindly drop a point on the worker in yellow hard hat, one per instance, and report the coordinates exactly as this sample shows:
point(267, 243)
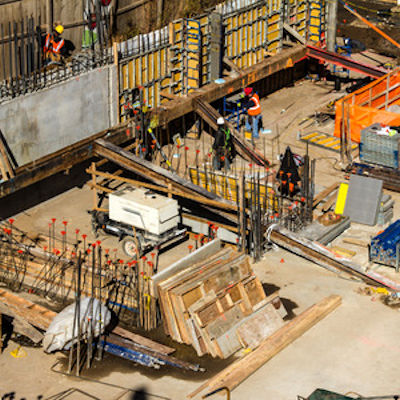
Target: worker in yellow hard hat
point(54, 46)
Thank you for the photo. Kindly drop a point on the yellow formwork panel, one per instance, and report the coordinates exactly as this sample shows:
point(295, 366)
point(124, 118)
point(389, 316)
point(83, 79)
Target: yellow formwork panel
point(341, 198)
point(226, 186)
point(131, 75)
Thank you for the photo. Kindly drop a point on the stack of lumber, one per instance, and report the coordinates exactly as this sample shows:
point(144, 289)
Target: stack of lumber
point(234, 374)
point(216, 303)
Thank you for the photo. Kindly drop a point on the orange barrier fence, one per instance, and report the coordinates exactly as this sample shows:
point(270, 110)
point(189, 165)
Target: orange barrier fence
point(368, 105)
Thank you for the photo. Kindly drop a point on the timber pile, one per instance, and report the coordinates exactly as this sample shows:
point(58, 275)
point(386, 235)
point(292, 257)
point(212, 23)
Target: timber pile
point(217, 304)
point(236, 373)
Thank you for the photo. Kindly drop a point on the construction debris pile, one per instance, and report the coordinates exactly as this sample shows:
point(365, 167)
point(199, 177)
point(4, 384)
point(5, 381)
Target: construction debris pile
point(217, 304)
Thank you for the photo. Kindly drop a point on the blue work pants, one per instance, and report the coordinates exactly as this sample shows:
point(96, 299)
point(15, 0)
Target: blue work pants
point(253, 128)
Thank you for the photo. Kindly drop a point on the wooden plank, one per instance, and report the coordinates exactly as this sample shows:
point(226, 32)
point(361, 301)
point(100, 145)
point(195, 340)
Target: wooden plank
point(330, 201)
point(254, 290)
point(33, 313)
point(294, 33)
point(143, 341)
point(3, 170)
point(21, 325)
point(192, 258)
point(240, 370)
point(169, 96)
point(259, 326)
point(6, 161)
point(320, 196)
point(355, 241)
point(148, 170)
point(224, 322)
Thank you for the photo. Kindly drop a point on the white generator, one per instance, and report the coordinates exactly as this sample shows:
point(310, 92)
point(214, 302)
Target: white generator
point(144, 210)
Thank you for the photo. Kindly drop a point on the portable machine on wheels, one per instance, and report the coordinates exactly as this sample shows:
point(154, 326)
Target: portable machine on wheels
point(141, 219)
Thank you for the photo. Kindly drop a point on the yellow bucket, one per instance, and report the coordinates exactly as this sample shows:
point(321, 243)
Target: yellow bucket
point(247, 135)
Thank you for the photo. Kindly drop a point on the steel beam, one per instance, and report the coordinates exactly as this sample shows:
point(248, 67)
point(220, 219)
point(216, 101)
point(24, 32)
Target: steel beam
point(346, 62)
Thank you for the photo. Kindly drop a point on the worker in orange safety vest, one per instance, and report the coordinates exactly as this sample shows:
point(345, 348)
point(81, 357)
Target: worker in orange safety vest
point(54, 46)
point(252, 105)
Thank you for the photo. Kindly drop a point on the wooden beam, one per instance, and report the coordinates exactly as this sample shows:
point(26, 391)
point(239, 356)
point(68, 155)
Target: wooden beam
point(60, 160)
point(330, 201)
point(169, 96)
point(150, 171)
point(240, 370)
point(294, 33)
point(233, 66)
point(20, 324)
point(159, 188)
point(321, 196)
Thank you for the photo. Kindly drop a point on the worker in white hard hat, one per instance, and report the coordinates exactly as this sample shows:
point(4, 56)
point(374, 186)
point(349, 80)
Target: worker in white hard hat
point(54, 46)
point(224, 150)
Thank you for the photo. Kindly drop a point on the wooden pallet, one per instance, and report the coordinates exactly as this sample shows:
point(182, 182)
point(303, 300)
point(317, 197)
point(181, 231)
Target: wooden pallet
point(325, 141)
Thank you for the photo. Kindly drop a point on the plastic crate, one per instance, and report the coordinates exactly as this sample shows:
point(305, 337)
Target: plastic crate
point(379, 149)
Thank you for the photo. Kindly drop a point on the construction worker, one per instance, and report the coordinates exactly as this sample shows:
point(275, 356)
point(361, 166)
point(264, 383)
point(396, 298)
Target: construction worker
point(54, 46)
point(252, 104)
point(224, 150)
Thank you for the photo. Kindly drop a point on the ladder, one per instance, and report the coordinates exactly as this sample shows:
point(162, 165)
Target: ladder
point(193, 56)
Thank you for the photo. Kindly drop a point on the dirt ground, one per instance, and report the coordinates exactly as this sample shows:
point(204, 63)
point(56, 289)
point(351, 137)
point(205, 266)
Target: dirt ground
point(355, 348)
point(378, 13)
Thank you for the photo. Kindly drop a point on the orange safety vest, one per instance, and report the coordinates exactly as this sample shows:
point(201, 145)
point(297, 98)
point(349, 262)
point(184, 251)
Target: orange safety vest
point(51, 45)
point(256, 110)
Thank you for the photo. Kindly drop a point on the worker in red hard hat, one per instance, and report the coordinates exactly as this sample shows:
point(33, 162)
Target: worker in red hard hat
point(252, 104)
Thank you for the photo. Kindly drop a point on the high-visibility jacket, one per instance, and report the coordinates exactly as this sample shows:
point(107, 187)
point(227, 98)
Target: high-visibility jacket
point(256, 109)
point(51, 45)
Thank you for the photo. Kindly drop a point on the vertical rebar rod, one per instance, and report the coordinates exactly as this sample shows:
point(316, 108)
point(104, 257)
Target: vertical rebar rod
point(78, 315)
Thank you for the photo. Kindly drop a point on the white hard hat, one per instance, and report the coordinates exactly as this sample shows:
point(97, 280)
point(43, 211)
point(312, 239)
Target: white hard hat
point(220, 121)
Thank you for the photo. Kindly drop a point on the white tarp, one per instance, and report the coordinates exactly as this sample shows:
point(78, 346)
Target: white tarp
point(61, 333)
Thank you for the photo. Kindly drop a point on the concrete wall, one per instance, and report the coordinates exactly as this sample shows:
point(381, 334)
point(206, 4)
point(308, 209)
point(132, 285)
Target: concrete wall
point(38, 124)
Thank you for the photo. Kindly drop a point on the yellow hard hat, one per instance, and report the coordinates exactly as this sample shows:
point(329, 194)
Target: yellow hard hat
point(59, 29)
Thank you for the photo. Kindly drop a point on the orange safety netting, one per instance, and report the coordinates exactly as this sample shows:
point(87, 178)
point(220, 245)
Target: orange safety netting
point(367, 106)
